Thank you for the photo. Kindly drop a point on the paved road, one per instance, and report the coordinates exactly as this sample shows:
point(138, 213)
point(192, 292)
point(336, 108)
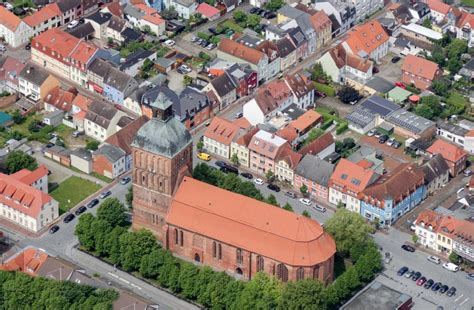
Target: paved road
point(424, 299)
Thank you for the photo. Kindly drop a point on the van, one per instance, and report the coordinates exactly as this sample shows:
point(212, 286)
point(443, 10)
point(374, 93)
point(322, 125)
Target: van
point(451, 267)
point(319, 208)
point(434, 259)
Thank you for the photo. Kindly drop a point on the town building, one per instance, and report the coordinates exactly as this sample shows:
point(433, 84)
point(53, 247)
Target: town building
point(47, 17)
point(436, 174)
point(208, 11)
point(13, 30)
point(439, 9)
point(82, 159)
point(286, 164)
point(224, 87)
point(59, 99)
point(287, 52)
point(342, 15)
point(264, 150)
point(420, 72)
point(394, 194)
point(218, 137)
point(184, 8)
point(24, 199)
point(452, 133)
point(348, 182)
point(302, 89)
point(379, 296)
point(464, 26)
point(410, 125)
point(240, 146)
point(101, 120)
point(109, 161)
point(35, 83)
point(420, 33)
point(454, 156)
point(322, 147)
point(368, 41)
point(314, 173)
point(10, 69)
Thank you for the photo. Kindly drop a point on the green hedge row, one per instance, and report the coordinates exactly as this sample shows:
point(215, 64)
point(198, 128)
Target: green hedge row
point(328, 90)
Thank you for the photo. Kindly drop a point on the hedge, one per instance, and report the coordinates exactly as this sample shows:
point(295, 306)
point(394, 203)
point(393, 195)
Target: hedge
point(204, 56)
point(327, 124)
point(343, 126)
point(328, 90)
point(203, 36)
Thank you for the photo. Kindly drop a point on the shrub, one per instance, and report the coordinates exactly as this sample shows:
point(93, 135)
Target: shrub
point(204, 56)
point(327, 124)
point(328, 90)
point(203, 36)
point(343, 126)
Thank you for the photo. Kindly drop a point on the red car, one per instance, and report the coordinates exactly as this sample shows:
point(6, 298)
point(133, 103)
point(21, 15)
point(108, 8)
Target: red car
point(320, 94)
point(421, 281)
point(400, 84)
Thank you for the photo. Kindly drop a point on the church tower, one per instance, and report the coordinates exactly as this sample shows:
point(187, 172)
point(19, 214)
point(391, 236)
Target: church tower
point(162, 156)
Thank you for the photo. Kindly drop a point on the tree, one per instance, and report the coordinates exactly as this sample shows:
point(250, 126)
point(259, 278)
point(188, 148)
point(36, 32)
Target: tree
point(270, 176)
point(100, 229)
point(318, 74)
point(17, 117)
point(200, 145)
point(304, 190)
point(433, 103)
point(438, 56)
point(84, 231)
point(147, 64)
point(187, 280)
point(348, 94)
point(306, 213)
point(235, 159)
point(440, 87)
point(272, 200)
point(240, 17)
point(454, 258)
point(187, 80)
point(455, 48)
point(34, 126)
point(348, 229)
point(274, 5)
point(151, 263)
point(129, 197)
point(211, 2)
point(369, 263)
point(456, 103)
point(253, 21)
point(92, 145)
point(427, 23)
point(454, 64)
point(313, 135)
point(169, 13)
point(113, 212)
point(414, 238)
point(304, 294)
point(288, 207)
point(424, 111)
point(133, 246)
point(262, 292)
point(112, 244)
point(17, 160)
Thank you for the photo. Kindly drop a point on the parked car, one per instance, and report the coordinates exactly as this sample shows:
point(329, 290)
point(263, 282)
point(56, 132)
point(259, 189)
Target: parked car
point(105, 194)
point(371, 132)
point(291, 194)
point(53, 229)
point(436, 286)
point(377, 134)
point(421, 281)
point(409, 274)
point(388, 257)
point(470, 276)
point(213, 31)
point(390, 141)
point(319, 208)
point(444, 289)
point(239, 115)
point(169, 43)
point(68, 218)
point(125, 180)
point(395, 59)
point(229, 169)
point(400, 84)
point(80, 210)
point(73, 24)
point(93, 203)
point(467, 172)
point(305, 201)
point(28, 46)
point(247, 175)
point(194, 39)
point(434, 259)
point(221, 164)
point(383, 139)
point(402, 271)
point(270, 15)
point(396, 145)
point(211, 46)
point(77, 133)
point(451, 267)
point(204, 156)
point(408, 248)
point(253, 10)
point(273, 187)
point(451, 292)
point(416, 276)
point(428, 284)
point(258, 181)
point(3, 48)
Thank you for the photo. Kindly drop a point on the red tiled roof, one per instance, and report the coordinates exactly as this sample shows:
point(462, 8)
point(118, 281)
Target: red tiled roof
point(299, 85)
point(318, 145)
point(154, 19)
point(44, 14)
point(28, 261)
point(288, 133)
point(342, 58)
point(272, 95)
point(245, 139)
point(207, 11)
point(450, 152)
point(291, 157)
point(11, 69)
point(60, 99)
point(29, 177)
point(83, 52)
point(429, 218)
point(351, 176)
point(240, 51)
point(419, 66)
point(242, 123)
point(8, 19)
point(114, 8)
point(124, 137)
point(309, 119)
point(249, 224)
point(31, 199)
point(465, 18)
point(82, 102)
point(366, 37)
point(438, 6)
point(320, 21)
point(221, 130)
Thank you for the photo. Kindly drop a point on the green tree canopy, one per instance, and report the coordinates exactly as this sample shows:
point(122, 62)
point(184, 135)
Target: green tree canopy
point(274, 5)
point(113, 212)
point(304, 294)
point(18, 160)
point(92, 145)
point(133, 246)
point(262, 292)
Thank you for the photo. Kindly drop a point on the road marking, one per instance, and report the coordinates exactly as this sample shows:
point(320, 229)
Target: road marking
point(123, 280)
point(456, 300)
point(465, 300)
point(135, 286)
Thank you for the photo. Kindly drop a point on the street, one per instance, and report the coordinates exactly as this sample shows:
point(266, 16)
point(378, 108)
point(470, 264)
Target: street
point(423, 298)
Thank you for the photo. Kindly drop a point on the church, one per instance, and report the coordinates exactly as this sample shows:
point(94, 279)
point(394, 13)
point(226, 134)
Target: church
point(212, 226)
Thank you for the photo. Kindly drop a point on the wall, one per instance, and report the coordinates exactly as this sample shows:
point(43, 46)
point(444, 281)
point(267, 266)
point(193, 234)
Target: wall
point(81, 164)
point(242, 152)
point(217, 148)
point(253, 113)
point(315, 190)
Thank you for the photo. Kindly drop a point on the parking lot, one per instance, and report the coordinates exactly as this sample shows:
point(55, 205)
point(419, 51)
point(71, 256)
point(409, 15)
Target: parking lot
point(388, 70)
point(423, 298)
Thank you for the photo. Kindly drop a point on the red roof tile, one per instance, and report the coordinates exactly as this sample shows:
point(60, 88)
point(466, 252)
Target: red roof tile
point(44, 14)
point(124, 137)
point(207, 11)
point(8, 19)
point(60, 99)
point(318, 145)
point(450, 152)
point(28, 261)
point(351, 176)
point(249, 224)
point(29, 177)
point(438, 6)
point(421, 67)
point(306, 121)
point(221, 130)
point(366, 37)
point(240, 51)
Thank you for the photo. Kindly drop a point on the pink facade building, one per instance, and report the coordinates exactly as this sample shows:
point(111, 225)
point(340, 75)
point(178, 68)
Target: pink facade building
point(264, 149)
point(315, 174)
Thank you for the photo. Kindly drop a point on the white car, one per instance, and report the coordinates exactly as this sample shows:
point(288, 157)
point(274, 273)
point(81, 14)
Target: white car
point(305, 201)
point(371, 132)
point(451, 267)
point(169, 43)
point(185, 68)
point(390, 141)
point(258, 181)
point(434, 259)
point(73, 24)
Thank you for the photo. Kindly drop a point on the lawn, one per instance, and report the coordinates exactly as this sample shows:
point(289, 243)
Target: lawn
point(469, 3)
point(231, 25)
point(72, 191)
point(64, 132)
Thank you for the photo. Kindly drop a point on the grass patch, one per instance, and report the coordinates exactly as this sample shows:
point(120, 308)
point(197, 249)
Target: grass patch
point(72, 191)
point(231, 25)
point(23, 127)
point(101, 177)
point(469, 3)
point(328, 90)
point(162, 51)
point(64, 131)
